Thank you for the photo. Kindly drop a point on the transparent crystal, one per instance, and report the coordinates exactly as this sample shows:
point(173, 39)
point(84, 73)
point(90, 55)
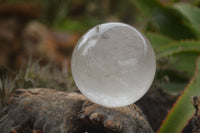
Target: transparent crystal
point(113, 64)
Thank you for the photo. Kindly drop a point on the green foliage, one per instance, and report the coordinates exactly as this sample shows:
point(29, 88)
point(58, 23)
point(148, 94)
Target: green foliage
point(182, 110)
point(171, 80)
point(176, 23)
point(165, 20)
point(184, 62)
point(158, 40)
point(178, 47)
point(175, 36)
point(149, 7)
point(191, 14)
point(76, 25)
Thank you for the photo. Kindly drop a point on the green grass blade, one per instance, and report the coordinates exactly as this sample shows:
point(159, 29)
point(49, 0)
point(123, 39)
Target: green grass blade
point(182, 110)
point(178, 47)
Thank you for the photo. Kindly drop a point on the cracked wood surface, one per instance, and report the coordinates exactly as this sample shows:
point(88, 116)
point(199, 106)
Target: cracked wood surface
point(51, 111)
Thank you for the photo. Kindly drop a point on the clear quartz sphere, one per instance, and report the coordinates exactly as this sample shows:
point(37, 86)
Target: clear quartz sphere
point(113, 64)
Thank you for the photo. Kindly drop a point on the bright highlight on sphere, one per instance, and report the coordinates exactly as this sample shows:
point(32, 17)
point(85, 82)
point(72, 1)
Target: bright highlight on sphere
point(113, 64)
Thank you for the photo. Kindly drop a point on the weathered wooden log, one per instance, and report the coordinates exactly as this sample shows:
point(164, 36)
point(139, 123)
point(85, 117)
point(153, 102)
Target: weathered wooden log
point(50, 111)
point(196, 118)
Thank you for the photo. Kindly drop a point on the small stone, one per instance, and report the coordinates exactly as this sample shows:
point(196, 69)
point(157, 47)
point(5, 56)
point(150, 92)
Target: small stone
point(113, 64)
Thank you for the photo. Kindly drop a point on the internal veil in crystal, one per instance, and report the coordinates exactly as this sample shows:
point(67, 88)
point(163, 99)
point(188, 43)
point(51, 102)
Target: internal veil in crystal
point(113, 64)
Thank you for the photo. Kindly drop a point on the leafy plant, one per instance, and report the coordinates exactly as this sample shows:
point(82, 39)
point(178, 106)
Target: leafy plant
point(174, 31)
point(178, 47)
point(165, 20)
point(183, 110)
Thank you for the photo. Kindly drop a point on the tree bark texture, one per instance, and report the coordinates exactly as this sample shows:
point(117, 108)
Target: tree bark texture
point(50, 111)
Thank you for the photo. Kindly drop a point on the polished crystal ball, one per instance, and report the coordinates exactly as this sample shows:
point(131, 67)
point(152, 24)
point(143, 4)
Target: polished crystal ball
point(113, 64)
